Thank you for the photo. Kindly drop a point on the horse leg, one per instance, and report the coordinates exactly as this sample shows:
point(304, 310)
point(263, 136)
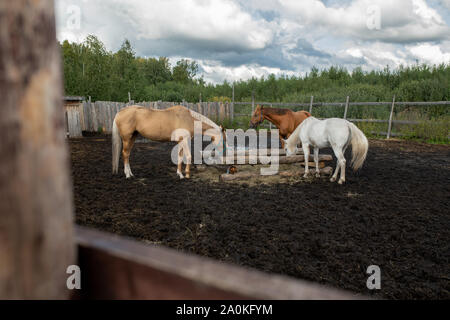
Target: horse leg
point(187, 151)
point(343, 165)
point(336, 171)
point(180, 158)
point(305, 147)
point(341, 162)
point(128, 143)
point(316, 160)
point(282, 142)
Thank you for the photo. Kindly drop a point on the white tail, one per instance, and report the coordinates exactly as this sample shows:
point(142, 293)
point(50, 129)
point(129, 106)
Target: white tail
point(116, 147)
point(360, 146)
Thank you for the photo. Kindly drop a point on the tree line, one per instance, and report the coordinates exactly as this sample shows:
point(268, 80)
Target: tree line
point(91, 70)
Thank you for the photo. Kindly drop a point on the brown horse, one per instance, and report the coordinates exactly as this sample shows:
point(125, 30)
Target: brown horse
point(285, 120)
point(171, 124)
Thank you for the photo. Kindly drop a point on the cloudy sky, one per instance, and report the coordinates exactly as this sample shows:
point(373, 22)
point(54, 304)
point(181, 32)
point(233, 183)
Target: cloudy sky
point(237, 39)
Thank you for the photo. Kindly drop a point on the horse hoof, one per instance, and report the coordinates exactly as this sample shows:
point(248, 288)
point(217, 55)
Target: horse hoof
point(305, 175)
point(341, 181)
point(317, 175)
point(332, 179)
point(180, 175)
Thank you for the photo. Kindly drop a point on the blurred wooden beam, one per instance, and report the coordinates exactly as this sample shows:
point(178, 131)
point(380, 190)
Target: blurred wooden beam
point(36, 228)
point(114, 267)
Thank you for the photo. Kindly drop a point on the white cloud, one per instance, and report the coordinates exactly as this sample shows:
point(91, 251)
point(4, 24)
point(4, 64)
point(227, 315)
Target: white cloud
point(401, 20)
point(240, 39)
point(220, 21)
point(428, 53)
point(216, 73)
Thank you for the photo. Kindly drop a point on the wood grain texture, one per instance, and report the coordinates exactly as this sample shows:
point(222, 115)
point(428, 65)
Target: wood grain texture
point(119, 268)
point(287, 173)
point(36, 227)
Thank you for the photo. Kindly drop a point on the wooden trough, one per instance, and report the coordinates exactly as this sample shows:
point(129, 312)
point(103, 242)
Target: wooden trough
point(288, 173)
point(252, 157)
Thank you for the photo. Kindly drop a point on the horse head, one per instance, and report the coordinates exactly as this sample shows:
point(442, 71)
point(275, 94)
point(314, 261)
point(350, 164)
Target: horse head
point(257, 117)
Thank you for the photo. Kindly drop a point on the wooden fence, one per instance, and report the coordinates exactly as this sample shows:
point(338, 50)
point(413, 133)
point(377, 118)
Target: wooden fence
point(99, 116)
point(310, 106)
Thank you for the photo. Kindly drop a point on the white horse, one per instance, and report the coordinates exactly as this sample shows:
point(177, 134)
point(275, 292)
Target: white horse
point(335, 133)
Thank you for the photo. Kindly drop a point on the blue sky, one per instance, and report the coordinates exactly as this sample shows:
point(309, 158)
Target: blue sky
point(238, 39)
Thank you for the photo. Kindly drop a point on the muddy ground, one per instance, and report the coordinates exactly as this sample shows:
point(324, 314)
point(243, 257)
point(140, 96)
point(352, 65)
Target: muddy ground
point(394, 213)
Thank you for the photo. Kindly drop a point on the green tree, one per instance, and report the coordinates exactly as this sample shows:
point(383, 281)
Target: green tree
point(185, 71)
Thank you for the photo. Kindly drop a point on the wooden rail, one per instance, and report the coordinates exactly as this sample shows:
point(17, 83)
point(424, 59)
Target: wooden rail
point(342, 104)
point(114, 267)
point(346, 105)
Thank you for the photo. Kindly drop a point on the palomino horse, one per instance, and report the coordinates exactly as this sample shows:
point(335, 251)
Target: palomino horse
point(285, 120)
point(171, 124)
point(335, 133)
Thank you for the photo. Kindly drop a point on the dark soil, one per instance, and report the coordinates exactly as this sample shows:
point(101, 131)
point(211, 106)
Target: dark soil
point(394, 213)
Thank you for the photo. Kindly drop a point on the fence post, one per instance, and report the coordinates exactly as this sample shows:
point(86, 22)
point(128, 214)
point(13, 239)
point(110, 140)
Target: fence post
point(200, 99)
point(311, 104)
point(346, 107)
point(232, 105)
point(270, 121)
point(390, 118)
point(36, 208)
point(253, 101)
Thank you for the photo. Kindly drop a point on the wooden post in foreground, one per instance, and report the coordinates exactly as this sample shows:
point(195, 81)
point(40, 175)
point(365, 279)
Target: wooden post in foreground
point(390, 118)
point(346, 107)
point(36, 223)
point(311, 104)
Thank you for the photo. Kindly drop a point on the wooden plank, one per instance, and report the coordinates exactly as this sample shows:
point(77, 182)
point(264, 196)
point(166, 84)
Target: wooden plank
point(346, 107)
point(340, 104)
point(232, 106)
point(281, 159)
point(36, 209)
point(390, 118)
point(312, 164)
point(221, 111)
point(288, 173)
point(87, 118)
point(281, 152)
point(95, 119)
point(118, 268)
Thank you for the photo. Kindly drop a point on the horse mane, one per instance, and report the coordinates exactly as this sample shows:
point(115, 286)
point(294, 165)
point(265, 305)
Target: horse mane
point(204, 119)
point(279, 111)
